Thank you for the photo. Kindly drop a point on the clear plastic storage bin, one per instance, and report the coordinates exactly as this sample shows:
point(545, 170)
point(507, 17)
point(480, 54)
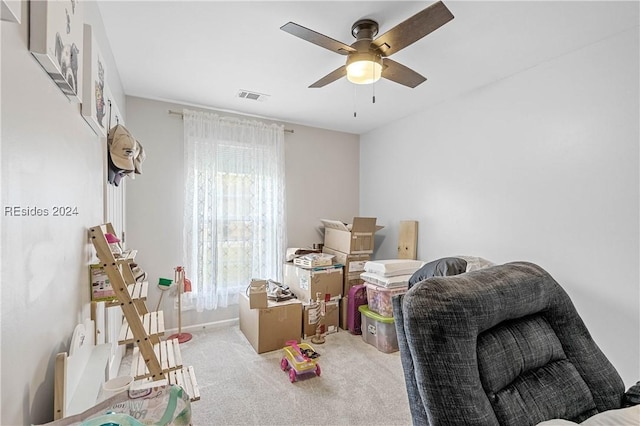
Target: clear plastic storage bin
point(379, 298)
point(378, 331)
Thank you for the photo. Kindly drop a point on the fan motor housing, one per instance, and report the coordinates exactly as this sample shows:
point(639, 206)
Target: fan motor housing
point(364, 29)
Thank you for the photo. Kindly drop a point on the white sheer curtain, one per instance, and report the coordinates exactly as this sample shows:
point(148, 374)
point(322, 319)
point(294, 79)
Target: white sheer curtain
point(234, 210)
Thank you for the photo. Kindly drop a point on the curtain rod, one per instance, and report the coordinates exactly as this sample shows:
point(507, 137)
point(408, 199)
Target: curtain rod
point(182, 115)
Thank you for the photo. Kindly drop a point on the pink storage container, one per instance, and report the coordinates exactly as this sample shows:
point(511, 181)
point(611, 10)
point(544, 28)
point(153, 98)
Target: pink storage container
point(379, 298)
point(357, 297)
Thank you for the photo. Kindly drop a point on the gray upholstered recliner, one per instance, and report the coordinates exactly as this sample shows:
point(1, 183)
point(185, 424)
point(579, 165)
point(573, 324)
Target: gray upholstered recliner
point(500, 346)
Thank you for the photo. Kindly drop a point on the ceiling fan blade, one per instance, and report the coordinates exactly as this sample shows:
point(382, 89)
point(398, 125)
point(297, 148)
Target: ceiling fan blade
point(331, 77)
point(317, 38)
point(397, 72)
point(413, 29)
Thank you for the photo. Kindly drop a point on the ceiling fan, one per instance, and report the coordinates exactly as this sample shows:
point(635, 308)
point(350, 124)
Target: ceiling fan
point(368, 58)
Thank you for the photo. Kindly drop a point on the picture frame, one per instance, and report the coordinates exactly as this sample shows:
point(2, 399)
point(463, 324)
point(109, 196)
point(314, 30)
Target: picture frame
point(11, 11)
point(56, 34)
point(94, 107)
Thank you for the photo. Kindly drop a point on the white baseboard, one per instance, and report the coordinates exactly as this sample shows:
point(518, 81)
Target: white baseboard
point(205, 326)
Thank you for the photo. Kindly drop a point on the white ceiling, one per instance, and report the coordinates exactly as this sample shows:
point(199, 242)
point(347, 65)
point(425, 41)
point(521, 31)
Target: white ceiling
point(203, 52)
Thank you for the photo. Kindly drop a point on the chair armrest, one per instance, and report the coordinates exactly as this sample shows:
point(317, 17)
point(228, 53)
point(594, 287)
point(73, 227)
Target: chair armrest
point(632, 396)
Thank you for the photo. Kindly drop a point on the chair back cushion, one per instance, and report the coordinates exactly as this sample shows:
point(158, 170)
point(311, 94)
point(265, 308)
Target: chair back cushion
point(500, 346)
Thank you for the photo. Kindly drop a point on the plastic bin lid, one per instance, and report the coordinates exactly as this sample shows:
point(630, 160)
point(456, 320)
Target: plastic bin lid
point(364, 309)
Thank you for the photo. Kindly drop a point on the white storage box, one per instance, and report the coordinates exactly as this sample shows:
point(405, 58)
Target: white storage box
point(378, 330)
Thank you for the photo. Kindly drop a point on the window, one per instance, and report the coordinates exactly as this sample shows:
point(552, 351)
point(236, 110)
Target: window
point(234, 205)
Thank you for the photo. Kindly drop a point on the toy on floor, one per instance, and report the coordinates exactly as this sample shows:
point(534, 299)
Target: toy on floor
point(299, 359)
point(184, 286)
point(321, 311)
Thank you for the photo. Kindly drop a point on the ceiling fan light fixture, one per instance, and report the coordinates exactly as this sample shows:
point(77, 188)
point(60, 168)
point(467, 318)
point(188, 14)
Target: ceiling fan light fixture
point(364, 68)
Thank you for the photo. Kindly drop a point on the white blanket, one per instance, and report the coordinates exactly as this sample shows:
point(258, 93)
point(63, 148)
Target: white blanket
point(393, 267)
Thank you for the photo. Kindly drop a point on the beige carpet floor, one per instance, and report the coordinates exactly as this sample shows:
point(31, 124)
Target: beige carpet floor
point(358, 385)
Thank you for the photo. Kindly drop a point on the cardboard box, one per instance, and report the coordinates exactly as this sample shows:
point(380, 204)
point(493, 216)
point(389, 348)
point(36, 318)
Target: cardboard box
point(101, 289)
point(357, 238)
point(352, 262)
point(330, 320)
point(305, 283)
point(350, 280)
point(353, 267)
point(258, 294)
point(269, 329)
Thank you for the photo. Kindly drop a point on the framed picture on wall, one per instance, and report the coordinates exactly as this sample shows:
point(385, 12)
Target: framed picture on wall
point(94, 107)
point(55, 39)
point(11, 11)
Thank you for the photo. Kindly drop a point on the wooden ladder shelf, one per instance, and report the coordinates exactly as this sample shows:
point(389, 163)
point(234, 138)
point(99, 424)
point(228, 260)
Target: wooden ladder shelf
point(154, 359)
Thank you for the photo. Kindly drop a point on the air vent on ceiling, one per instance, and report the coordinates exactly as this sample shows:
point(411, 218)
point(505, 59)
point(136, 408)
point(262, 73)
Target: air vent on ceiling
point(254, 96)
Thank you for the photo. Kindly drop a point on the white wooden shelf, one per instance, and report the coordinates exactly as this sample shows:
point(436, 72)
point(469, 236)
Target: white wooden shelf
point(137, 291)
point(184, 377)
point(154, 361)
point(153, 323)
point(127, 257)
point(168, 354)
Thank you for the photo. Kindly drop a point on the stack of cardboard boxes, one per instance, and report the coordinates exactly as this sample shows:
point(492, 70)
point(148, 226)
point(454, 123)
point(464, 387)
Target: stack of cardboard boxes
point(311, 283)
point(352, 245)
point(268, 327)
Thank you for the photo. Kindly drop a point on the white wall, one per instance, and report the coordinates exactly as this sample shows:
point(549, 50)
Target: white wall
point(543, 167)
point(321, 176)
point(49, 157)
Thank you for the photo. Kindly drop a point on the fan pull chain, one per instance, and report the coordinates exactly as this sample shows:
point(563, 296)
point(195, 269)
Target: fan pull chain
point(354, 101)
point(373, 76)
